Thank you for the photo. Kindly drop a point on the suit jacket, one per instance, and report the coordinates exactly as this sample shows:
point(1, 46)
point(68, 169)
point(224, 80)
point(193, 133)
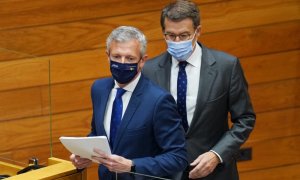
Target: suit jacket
point(222, 89)
point(150, 133)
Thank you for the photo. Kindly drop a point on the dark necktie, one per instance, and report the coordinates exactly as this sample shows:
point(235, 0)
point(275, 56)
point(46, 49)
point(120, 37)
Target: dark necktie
point(181, 94)
point(116, 115)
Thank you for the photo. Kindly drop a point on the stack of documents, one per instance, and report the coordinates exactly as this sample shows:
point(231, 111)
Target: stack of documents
point(83, 146)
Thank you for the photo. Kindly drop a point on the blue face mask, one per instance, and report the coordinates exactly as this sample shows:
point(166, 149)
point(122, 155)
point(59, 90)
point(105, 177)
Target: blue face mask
point(181, 50)
point(123, 73)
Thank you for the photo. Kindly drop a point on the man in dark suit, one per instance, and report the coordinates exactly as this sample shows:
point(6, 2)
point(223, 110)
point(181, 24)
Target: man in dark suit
point(148, 138)
point(207, 85)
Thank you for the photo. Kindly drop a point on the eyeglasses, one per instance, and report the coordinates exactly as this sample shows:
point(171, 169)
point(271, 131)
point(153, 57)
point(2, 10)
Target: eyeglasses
point(182, 37)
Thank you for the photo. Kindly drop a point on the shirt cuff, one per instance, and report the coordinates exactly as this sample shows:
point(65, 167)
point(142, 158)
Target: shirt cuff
point(221, 160)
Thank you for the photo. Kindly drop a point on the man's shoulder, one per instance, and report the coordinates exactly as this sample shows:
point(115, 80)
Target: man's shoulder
point(150, 86)
point(218, 54)
point(153, 64)
point(156, 60)
point(153, 89)
point(102, 83)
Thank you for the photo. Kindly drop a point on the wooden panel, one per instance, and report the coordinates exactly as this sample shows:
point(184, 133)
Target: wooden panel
point(79, 66)
point(276, 95)
point(42, 152)
point(94, 64)
point(23, 103)
point(92, 172)
point(248, 41)
point(290, 172)
point(257, 40)
point(272, 153)
point(31, 132)
point(8, 54)
point(246, 13)
point(24, 73)
point(24, 133)
point(34, 12)
point(285, 151)
point(71, 96)
point(76, 96)
point(280, 123)
point(266, 97)
point(266, 154)
point(276, 124)
point(76, 123)
point(264, 34)
point(89, 34)
point(272, 67)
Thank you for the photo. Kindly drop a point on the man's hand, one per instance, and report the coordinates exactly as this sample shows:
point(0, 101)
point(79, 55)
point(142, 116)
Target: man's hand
point(205, 164)
point(113, 162)
point(80, 163)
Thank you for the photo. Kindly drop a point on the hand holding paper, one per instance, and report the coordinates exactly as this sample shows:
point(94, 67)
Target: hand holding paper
point(84, 146)
point(113, 162)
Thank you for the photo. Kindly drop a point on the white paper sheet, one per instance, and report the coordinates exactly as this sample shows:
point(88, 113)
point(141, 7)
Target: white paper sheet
point(83, 146)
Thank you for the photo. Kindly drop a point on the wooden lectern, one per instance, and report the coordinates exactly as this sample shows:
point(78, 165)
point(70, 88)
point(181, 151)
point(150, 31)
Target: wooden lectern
point(57, 169)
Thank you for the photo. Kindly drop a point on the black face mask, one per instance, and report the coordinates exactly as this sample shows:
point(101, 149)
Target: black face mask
point(123, 73)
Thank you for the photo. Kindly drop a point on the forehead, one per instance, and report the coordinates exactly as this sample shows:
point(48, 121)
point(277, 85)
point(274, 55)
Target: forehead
point(131, 47)
point(177, 27)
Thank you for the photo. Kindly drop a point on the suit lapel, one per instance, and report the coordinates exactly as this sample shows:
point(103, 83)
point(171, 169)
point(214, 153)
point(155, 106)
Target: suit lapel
point(207, 77)
point(163, 74)
point(133, 104)
point(103, 104)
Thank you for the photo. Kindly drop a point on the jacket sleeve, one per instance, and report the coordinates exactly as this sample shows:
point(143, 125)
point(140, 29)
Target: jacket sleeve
point(242, 116)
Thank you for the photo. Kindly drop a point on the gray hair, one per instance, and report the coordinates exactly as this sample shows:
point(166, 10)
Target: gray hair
point(125, 34)
point(180, 10)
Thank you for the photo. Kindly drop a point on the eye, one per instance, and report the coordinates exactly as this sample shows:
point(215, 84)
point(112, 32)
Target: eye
point(184, 36)
point(130, 58)
point(170, 36)
point(115, 57)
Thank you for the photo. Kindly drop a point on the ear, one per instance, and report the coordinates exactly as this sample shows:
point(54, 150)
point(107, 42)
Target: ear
point(107, 54)
point(199, 28)
point(142, 61)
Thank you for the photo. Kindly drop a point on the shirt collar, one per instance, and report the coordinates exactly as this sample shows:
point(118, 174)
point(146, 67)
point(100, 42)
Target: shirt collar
point(193, 59)
point(130, 86)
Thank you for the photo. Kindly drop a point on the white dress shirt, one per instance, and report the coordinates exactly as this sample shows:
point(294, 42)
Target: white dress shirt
point(192, 69)
point(125, 99)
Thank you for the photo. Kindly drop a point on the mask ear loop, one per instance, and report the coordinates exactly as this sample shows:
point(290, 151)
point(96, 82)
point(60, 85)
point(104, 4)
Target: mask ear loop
point(194, 37)
point(140, 69)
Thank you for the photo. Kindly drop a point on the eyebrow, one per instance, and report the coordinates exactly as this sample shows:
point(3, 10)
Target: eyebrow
point(186, 32)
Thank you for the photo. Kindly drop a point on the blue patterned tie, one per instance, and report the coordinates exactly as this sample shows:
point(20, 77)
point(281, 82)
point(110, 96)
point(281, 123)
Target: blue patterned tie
point(181, 94)
point(116, 115)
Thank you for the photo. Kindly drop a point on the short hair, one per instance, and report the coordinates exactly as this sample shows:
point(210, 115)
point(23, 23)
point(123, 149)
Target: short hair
point(125, 34)
point(180, 10)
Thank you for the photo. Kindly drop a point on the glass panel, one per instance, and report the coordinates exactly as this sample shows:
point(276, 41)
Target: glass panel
point(24, 108)
point(71, 106)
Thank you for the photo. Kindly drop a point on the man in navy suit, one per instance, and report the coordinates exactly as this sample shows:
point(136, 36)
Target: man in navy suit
point(149, 138)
